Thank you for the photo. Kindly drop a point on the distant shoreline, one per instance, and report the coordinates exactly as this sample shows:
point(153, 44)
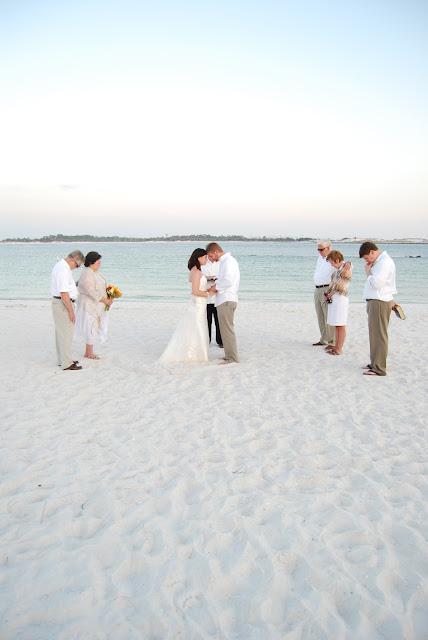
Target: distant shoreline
point(204, 238)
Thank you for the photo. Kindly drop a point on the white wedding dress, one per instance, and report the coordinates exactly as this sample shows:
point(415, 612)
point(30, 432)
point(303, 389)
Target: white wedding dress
point(189, 342)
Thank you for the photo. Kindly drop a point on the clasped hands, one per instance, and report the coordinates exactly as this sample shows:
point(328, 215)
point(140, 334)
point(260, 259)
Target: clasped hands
point(368, 268)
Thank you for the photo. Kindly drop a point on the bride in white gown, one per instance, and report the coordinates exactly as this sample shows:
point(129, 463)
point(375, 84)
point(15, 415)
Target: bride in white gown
point(189, 342)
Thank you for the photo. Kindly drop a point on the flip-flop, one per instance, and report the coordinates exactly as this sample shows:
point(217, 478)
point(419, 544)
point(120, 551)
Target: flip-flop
point(370, 373)
point(93, 358)
point(329, 347)
point(333, 352)
point(368, 366)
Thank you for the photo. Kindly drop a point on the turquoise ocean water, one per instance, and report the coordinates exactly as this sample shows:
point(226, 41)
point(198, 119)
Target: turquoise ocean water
point(157, 271)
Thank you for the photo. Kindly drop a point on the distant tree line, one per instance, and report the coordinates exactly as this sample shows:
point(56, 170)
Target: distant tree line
point(202, 237)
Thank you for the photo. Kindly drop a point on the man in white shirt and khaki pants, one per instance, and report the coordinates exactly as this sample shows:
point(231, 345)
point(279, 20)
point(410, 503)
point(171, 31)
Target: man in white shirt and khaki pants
point(322, 278)
point(64, 293)
point(379, 294)
point(226, 288)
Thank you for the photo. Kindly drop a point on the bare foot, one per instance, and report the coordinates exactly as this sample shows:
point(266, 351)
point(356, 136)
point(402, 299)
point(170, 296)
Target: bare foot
point(89, 352)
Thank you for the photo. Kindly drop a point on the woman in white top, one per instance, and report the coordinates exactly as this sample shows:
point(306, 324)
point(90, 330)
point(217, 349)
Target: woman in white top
point(91, 316)
point(189, 342)
point(337, 300)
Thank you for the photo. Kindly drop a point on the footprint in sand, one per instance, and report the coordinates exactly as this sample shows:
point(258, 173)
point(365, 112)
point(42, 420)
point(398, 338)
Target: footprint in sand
point(153, 543)
point(194, 606)
point(293, 565)
point(85, 529)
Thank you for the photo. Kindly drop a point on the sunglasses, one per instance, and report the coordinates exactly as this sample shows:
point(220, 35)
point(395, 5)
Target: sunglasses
point(77, 265)
point(321, 250)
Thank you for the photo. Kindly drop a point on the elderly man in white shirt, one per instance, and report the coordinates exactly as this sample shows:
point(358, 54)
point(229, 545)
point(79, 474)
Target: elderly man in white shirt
point(210, 271)
point(64, 292)
point(322, 277)
point(226, 288)
point(379, 294)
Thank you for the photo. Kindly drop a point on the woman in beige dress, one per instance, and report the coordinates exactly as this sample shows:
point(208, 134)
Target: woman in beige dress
point(91, 315)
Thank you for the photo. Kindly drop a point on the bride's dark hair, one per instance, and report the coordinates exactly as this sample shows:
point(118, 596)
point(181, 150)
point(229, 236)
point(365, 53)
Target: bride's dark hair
point(193, 260)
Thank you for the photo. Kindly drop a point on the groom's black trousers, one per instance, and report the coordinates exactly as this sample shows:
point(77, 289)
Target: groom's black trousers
point(212, 311)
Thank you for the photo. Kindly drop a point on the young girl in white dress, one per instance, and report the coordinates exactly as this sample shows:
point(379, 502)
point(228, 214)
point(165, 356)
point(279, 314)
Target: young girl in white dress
point(189, 342)
point(337, 300)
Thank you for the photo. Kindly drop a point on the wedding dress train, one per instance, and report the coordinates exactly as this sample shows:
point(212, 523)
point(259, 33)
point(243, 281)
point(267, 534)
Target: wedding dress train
point(189, 342)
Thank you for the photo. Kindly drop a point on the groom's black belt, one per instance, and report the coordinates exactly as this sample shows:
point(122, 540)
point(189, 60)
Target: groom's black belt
point(320, 286)
point(59, 298)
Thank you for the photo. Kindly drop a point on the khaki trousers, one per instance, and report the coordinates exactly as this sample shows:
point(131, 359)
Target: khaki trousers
point(378, 315)
point(226, 312)
point(64, 330)
point(326, 331)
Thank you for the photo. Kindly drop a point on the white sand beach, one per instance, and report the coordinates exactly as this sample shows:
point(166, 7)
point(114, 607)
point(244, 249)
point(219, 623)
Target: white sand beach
point(283, 498)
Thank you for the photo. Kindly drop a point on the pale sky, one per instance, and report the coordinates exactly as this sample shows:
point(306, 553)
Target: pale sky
point(285, 118)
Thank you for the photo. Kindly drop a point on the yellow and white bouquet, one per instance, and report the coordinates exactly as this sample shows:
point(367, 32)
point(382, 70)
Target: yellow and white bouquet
point(112, 292)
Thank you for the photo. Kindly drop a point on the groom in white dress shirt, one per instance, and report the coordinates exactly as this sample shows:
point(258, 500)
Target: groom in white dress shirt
point(226, 288)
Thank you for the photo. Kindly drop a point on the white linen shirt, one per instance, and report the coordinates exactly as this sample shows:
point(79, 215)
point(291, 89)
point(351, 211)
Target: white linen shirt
point(227, 284)
point(62, 280)
point(380, 284)
point(210, 269)
point(323, 272)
